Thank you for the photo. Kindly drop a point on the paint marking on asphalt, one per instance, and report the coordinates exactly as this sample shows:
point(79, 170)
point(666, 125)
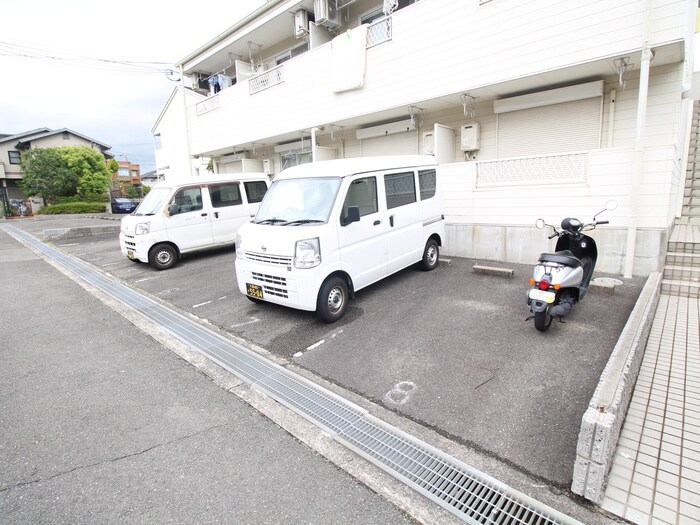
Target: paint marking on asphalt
point(144, 279)
point(201, 304)
point(111, 264)
point(315, 345)
point(252, 320)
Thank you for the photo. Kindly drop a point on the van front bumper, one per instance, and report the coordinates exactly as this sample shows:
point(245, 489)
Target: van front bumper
point(135, 247)
point(279, 284)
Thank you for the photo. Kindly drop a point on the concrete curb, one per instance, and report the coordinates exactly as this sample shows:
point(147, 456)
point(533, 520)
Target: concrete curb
point(602, 422)
point(60, 234)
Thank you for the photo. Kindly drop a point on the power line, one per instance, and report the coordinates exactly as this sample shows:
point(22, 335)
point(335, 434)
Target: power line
point(10, 49)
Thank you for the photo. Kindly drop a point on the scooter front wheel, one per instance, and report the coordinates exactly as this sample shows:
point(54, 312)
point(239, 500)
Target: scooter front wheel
point(543, 320)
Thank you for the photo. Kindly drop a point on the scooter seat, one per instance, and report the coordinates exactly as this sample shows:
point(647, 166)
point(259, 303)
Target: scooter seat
point(563, 257)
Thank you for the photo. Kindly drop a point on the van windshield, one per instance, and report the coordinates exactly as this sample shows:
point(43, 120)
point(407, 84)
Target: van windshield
point(291, 202)
point(153, 202)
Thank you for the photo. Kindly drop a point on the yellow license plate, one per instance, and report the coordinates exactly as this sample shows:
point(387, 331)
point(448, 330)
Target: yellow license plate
point(130, 254)
point(542, 295)
point(254, 290)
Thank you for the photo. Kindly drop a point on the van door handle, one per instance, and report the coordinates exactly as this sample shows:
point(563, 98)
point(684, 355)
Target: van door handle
point(391, 221)
point(377, 223)
point(216, 214)
point(204, 214)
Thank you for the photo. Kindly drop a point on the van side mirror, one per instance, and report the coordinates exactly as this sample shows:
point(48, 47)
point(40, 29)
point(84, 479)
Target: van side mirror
point(172, 209)
point(352, 216)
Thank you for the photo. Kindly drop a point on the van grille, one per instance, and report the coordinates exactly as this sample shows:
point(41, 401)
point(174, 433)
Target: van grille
point(129, 241)
point(268, 259)
point(273, 285)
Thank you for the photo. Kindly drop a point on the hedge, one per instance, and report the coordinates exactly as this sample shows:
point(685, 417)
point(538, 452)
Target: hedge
point(74, 207)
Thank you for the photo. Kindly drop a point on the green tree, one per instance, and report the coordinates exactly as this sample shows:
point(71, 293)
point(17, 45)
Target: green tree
point(112, 166)
point(89, 165)
point(47, 175)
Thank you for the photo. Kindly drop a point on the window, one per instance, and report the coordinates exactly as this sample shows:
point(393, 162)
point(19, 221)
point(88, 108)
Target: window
point(371, 16)
point(15, 157)
point(157, 141)
point(255, 190)
point(291, 53)
point(426, 183)
point(123, 171)
point(363, 194)
point(188, 199)
point(400, 189)
point(225, 195)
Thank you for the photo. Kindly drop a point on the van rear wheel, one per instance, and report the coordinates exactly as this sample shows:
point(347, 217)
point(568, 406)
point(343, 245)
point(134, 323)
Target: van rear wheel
point(162, 256)
point(332, 299)
point(431, 255)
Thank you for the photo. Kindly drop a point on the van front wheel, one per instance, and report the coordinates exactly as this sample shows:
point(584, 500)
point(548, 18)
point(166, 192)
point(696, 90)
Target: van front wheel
point(332, 299)
point(431, 255)
point(162, 256)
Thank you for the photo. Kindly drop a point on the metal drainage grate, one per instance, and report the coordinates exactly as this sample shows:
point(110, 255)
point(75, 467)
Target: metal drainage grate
point(468, 493)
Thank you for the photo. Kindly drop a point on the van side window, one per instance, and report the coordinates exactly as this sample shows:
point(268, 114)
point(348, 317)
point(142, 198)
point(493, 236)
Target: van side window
point(426, 183)
point(255, 190)
point(400, 189)
point(363, 194)
point(188, 199)
point(223, 195)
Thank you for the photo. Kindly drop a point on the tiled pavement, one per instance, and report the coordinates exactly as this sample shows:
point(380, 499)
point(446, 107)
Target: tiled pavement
point(655, 478)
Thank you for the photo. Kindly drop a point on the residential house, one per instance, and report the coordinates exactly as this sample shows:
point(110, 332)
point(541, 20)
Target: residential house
point(127, 175)
point(534, 109)
point(12, 146)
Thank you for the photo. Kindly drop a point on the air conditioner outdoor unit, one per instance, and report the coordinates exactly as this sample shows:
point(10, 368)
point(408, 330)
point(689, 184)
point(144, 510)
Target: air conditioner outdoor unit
point(301, 23)
point(326, 13)
point(391, 128)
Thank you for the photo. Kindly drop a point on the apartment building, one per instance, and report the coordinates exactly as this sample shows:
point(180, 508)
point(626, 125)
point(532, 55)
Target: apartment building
point(533, 109)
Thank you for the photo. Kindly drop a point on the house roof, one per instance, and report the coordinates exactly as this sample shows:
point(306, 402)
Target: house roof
point(17, 136)
point(25, 138)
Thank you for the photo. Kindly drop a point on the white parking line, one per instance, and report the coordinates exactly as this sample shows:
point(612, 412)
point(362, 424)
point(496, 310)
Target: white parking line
point(252, 320)
point(144, 279)
point(201, 304)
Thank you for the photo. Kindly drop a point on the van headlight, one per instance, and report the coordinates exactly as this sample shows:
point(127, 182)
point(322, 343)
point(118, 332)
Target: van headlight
point(307, 253)
point(142, 228)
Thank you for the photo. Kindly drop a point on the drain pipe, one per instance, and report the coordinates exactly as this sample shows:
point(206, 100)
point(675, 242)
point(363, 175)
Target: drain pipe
point(313, 143)
point(638, 162)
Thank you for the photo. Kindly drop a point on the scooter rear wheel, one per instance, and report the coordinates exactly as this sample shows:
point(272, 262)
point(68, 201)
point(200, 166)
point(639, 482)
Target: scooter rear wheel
point(543, 320)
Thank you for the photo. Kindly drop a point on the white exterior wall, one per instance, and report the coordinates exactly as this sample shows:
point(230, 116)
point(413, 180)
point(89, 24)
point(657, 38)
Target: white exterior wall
point(173, 162)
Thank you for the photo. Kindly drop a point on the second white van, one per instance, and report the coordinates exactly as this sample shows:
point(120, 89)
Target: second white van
point(175, 219)
point(328, 229)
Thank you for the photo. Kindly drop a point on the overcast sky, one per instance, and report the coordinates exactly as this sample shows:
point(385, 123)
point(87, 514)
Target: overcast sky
point(58, 70)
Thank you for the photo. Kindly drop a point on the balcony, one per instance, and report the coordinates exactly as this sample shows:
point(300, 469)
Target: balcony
point(422, 55)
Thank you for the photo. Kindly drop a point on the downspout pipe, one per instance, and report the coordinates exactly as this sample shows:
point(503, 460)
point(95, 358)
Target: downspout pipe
point(313, 143)
point(638, 161)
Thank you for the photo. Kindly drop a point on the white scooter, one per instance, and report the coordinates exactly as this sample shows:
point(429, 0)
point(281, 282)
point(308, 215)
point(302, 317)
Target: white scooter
point(561, 279)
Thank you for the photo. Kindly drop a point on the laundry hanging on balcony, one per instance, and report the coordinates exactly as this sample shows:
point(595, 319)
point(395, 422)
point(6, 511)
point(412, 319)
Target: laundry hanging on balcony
point(348, 57)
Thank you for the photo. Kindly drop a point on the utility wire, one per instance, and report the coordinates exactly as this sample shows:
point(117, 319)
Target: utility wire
point(10, 49)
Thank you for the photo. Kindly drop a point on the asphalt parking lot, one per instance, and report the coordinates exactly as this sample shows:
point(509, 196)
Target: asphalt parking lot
point(449, 349)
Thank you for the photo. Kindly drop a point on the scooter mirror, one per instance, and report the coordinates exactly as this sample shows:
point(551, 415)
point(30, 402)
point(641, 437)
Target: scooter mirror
point(611, 205)
point(539, 223)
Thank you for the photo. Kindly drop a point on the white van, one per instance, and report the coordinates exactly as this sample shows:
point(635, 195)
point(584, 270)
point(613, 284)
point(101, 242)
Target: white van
point(175, 219)
point(327, 229)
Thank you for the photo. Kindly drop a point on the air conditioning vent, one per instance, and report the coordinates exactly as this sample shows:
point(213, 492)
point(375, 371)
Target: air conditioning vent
point(390, 128)
point(301, 23)
point(326, 13)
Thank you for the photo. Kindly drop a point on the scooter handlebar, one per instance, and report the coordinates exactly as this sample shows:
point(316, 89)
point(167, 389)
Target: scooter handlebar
point(555, 234)
point(602, 222)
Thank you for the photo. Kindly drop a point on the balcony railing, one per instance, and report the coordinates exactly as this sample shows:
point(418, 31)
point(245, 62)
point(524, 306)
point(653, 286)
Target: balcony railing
point(567, 167)
point(379, 31)
point(269, 78)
